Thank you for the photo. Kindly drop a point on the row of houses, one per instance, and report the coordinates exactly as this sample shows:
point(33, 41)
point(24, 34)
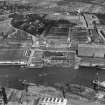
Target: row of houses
point(52, 101)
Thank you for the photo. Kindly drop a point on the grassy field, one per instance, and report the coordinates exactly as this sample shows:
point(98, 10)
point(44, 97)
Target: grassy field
point(13, 48)
point(14, 51)
point(7, 54)
point(6, 28)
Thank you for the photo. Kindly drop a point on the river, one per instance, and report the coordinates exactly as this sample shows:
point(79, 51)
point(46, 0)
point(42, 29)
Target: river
point(10, 76)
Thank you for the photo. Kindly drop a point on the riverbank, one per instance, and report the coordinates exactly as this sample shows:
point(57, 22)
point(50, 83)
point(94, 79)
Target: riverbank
point(36, 91)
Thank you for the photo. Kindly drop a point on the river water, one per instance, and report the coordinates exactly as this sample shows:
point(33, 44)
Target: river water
point(10, 76)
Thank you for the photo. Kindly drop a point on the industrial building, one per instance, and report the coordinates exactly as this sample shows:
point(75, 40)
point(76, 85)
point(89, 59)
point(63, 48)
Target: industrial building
point(91, 50)
point(59, 58)
point(52, 101)
point(80, 35)
point(57, 34)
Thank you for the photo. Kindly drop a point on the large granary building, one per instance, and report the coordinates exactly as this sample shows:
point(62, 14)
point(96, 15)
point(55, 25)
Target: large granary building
point(91, 50)
point(57, 33)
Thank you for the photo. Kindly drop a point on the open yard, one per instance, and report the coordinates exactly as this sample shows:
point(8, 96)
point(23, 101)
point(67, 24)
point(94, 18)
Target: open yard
point(6, 28)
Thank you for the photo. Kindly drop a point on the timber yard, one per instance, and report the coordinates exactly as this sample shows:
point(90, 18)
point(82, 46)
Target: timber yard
point(52, 52)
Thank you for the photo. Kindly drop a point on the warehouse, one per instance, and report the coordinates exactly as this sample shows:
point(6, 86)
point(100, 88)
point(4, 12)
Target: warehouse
point(79, 35)
point(91, 50)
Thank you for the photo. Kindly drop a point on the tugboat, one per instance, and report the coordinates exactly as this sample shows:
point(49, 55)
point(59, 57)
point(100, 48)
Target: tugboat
point(100, 67)
point(97, 84)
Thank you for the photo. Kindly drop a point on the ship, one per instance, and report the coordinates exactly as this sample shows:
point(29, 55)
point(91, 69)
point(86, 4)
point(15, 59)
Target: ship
point(98, 85)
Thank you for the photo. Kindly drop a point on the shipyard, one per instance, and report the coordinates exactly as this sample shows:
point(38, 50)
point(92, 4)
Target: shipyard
point(52, 52)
